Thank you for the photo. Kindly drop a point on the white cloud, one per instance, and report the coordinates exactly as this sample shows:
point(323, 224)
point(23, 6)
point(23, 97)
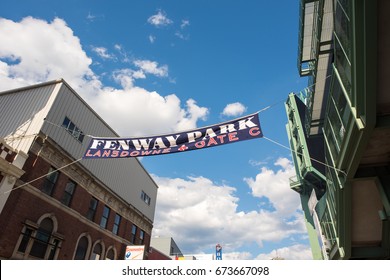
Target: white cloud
point(294, 252)
point(275, 186)
point(184, 23)
point(124, 57)
point(134, 111)
point(191, 115)
point(103, 53)
point(255, 163)
point(126, 77)
point(152, 39)
point(92, 17)
point(34, 51)
point(45, 51)
point(184, 205)
point(159, 19)
point(234, 109)
point(181, 35)
point(151, 67)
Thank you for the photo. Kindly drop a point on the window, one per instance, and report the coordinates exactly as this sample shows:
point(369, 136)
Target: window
point(133, 234)
point(97, 252)
point(117, 222)
point(110, 254)
point(92, 208)
point(50, 181)
point(39, 240)
point(81, 250)
point(141, 237)
point(104, 219)
point(42, 239)
point(53, 249)
point(68, 193)
point(26, 238)
point(73, 129)
point(145, 198)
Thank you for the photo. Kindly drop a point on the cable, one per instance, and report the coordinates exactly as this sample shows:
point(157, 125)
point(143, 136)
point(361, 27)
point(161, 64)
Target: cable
point(316, 82)
point(283, 100)
point(13, 138)
point(313, 159)
point(25, 184)
point(272, 105)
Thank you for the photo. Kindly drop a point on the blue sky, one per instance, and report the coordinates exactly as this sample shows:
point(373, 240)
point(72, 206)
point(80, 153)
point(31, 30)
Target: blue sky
point(150, 67)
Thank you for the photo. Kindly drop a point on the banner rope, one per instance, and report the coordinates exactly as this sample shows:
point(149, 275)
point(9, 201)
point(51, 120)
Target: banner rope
point(25, 184)
point(13, 138)
point(88, 135)
point(283, 100)
point(270, 106)
point(313, 159)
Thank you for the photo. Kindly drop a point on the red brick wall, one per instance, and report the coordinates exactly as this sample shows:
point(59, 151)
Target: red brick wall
point(22, 206)
point(157, 255)
point(35, 167)
point(11, 222)
point(80, 200)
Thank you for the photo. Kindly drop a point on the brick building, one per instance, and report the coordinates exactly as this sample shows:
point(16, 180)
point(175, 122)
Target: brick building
point(54, 204)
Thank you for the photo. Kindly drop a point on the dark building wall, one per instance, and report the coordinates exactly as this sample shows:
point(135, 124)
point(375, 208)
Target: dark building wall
point(157, 255)
point(11, 223)
point(30, 204)
point(22, 206)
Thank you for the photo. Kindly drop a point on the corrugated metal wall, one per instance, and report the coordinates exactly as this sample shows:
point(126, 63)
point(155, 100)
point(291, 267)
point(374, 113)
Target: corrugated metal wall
point(22, 114)
point(126, 177)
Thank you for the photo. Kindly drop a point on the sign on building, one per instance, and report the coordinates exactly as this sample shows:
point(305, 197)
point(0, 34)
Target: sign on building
point(135, 252)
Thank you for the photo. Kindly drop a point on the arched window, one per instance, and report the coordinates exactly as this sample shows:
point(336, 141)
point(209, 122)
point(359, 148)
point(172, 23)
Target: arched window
point(42, 239)
point(82, 248)
point(110, 254)
point(97, 252)
point(39, 241)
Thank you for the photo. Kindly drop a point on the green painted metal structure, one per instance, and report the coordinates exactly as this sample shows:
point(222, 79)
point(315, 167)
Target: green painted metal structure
point(338, 126)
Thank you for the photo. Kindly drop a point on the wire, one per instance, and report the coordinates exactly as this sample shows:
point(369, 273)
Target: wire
point(25, 184)
point(313, 159)
point(271, 106)
point(13, 138)
point(312, 85)
point(283, 100)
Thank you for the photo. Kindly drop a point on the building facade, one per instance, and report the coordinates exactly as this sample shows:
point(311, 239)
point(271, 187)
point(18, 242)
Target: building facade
point(339, 127)
point(166, 246)
point(53, 203)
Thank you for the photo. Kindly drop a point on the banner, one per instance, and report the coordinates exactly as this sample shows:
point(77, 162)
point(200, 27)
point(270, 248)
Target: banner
point(135, 252)
point(244, 128)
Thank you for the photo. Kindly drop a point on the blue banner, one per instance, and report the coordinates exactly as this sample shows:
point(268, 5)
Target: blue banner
point(244, 128)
